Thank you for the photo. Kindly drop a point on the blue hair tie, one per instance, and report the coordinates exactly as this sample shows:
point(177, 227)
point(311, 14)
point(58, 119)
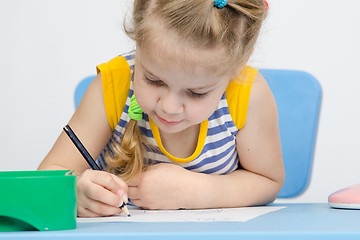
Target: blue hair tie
point(220, 3)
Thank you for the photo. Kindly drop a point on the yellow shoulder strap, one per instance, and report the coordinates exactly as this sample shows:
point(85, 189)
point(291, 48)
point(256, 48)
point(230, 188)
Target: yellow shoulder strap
point(238, 95)
point(116, 78)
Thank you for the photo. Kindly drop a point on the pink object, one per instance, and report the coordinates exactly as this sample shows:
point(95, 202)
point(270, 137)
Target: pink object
point(346, 198)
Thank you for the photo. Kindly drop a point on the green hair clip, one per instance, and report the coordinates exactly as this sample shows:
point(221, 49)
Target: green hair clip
point(135, 112)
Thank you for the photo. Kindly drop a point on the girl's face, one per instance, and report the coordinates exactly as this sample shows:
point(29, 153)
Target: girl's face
point(176, 94)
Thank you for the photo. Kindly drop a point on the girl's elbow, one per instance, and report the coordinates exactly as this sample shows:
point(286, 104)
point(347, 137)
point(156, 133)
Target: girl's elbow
point(278, 184)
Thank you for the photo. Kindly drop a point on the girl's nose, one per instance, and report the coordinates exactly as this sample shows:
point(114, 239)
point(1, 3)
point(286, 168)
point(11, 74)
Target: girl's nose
point(171, 103)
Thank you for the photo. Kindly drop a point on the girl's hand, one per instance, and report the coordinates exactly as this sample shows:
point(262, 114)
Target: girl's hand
point(162, 186)
point(100, 194)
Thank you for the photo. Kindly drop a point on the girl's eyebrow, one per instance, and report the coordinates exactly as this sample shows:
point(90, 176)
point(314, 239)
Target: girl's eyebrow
point(205, 87)
point(149, 72)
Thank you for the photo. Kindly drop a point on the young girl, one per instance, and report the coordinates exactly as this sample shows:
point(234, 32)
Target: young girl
point(195, 137)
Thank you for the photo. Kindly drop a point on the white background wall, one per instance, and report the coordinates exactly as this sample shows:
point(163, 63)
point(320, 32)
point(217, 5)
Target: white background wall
point(47, 47)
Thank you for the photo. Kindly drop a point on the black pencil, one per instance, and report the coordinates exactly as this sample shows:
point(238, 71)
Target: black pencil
point(81, 147)
point(87, 156)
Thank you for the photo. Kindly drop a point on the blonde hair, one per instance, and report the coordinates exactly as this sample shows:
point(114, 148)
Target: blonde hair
point(126, 160)
point(234, 27)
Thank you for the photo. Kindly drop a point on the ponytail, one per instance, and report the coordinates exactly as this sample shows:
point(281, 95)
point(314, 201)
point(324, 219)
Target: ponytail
point(127, 159)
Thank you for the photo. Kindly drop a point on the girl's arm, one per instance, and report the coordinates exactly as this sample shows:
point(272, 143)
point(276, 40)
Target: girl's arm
point(167, 186)
point(90, 124)
point(98, 193)
point(259, 150)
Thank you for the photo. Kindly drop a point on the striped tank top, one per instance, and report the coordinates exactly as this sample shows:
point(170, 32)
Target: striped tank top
point(215, 152)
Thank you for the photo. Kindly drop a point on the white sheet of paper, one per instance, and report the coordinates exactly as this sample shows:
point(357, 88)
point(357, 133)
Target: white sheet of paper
point(203, 215)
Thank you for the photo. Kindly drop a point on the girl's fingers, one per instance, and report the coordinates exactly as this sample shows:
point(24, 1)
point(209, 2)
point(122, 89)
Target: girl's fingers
point(84, 212)
point(94, 208)
point(106, 180)
point(133, 193)
point(134, 182)
point(100, 194)
point(106, 188)
point(123, 191)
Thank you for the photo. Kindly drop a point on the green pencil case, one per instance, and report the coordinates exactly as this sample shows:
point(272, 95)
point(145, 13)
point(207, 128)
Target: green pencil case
point(37, 200)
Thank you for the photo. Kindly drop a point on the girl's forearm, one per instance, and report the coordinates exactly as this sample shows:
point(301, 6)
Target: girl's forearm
point(237, 189)
point(50, 167)
point(56, 167)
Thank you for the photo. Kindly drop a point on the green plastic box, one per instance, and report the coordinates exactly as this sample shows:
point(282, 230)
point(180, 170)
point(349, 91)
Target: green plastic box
point(37, 200)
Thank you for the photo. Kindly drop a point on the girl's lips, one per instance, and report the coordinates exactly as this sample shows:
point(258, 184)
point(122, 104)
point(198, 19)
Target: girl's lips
point(168, 123)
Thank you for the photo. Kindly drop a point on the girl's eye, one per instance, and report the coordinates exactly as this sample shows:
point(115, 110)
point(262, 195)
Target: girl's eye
point(196, 95)
point(160, 83)
point(154, 82)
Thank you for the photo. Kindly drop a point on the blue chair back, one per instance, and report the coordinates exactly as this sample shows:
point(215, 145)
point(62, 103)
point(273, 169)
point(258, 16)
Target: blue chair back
point(81, 88)
point(298, 98)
